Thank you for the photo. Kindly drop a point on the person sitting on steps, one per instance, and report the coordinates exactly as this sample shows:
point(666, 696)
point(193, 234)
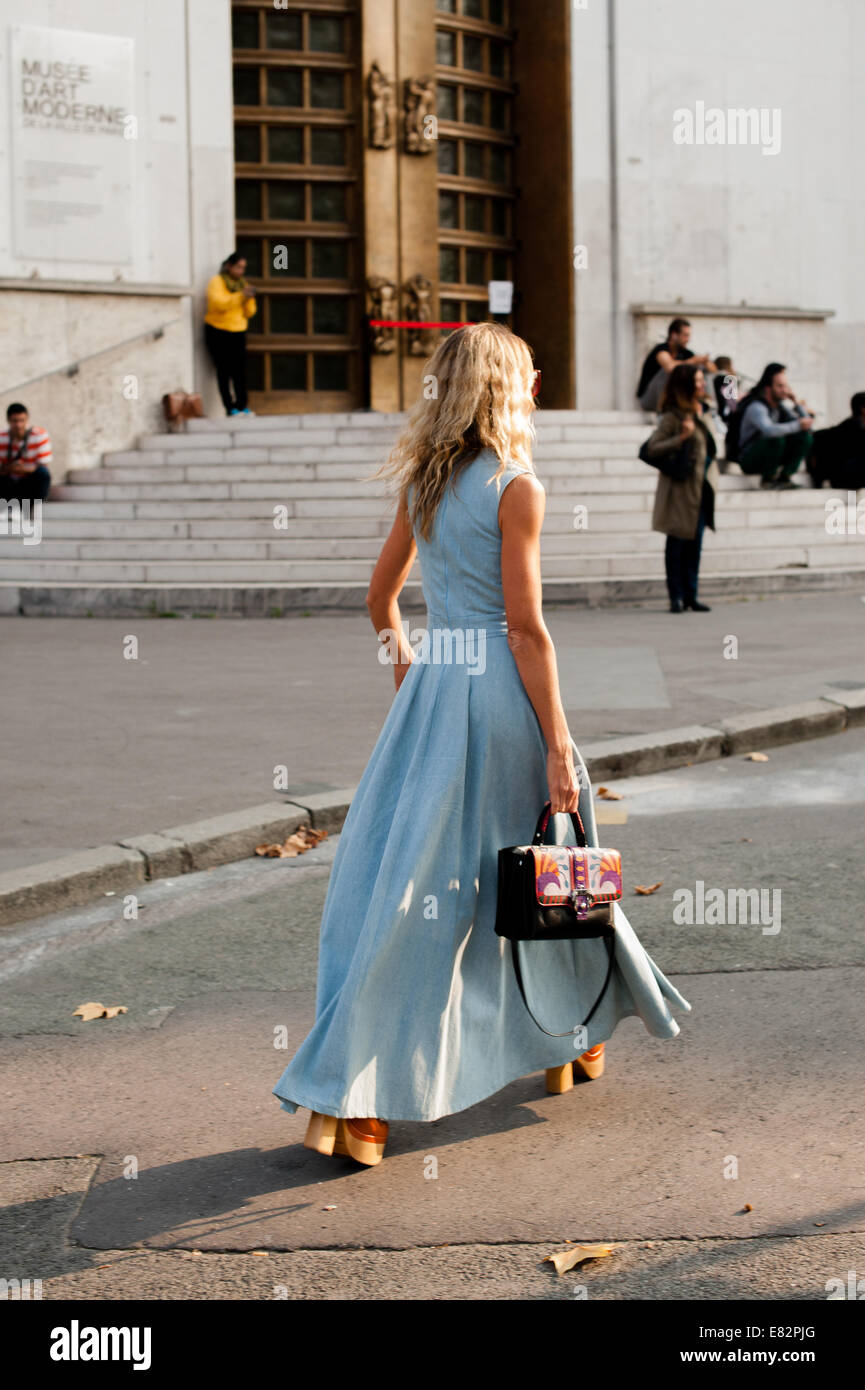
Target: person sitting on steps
point(25, 453)
point(663, 358)
point(773, 440)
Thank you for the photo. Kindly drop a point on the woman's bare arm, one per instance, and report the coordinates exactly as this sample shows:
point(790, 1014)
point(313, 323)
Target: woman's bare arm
point(521, 515)
point(382, 599)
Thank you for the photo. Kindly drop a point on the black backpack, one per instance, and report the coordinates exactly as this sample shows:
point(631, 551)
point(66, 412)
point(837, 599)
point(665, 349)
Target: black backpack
point(734, 427)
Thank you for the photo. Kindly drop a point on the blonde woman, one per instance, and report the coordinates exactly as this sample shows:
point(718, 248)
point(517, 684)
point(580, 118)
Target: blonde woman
point(418, 1013)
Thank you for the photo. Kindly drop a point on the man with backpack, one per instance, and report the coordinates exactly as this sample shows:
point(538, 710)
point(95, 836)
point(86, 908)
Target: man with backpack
point(25, 453)
point(764, 436)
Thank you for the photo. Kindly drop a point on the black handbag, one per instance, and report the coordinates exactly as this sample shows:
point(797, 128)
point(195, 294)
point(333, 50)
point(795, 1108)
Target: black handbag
point(558, 893)
point(673, 465)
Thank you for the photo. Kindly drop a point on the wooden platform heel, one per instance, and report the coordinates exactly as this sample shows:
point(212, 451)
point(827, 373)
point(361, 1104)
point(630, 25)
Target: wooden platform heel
point(560, 1079)
point(587, 1067)
point(590, 1065)
point(362, 1140)
point(321, 1133)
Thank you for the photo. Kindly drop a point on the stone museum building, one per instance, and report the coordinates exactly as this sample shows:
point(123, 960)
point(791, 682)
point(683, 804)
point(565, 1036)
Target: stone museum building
point(583, 170)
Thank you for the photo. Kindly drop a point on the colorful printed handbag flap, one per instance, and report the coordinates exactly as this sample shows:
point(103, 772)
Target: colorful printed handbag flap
point(568, 874)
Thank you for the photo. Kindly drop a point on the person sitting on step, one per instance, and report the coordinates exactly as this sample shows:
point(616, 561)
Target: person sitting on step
point(838, 455)
point(25, 453)
point(774, 439)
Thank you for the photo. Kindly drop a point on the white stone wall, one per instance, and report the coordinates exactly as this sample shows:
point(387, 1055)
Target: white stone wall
point(211, 178)
point(114, 397)
point(719, 224)
point(184, 224)
point(800, 344)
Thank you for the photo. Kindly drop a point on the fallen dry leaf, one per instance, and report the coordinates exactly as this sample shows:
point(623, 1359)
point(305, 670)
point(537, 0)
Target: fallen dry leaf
point(577, 1255)
point(757, 757)
point(304, 838)
point(644, 891)
point(86, 1012)
point(607, 795)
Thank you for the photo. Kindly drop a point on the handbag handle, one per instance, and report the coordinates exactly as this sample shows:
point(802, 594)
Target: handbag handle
point(544, 821)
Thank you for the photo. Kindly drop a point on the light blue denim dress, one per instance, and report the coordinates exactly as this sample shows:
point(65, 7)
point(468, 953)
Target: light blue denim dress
point(418, 1013)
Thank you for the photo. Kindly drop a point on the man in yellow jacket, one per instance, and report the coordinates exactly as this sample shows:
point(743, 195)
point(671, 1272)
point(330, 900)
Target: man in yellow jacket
point(230, 306)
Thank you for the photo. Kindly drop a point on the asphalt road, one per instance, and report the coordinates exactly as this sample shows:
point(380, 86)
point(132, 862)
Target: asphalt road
point(98, 748)
point(148, 1158)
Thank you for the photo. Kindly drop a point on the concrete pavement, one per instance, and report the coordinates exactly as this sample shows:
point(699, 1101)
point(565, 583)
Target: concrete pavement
point(767, 1070)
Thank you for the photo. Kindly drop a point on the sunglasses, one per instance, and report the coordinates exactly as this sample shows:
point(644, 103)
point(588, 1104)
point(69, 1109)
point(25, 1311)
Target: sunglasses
point(536, 384)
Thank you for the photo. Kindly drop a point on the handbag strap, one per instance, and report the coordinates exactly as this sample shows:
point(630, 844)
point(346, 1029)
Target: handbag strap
point(544, 821)
point(21, 447)
point(515, 956)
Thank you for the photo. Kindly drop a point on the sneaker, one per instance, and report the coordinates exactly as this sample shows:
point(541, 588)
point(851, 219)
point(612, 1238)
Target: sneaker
point(233, 411)
point(246, 412)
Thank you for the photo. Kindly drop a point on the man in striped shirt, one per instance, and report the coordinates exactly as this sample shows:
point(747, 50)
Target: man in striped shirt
point(25, 453)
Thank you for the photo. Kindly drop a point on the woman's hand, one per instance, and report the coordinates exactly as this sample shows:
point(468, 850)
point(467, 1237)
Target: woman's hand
point(688, 427)
point(562, 780)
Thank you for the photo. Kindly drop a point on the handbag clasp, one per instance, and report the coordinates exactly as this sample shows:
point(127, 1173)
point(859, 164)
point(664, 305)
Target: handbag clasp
point(581, 902)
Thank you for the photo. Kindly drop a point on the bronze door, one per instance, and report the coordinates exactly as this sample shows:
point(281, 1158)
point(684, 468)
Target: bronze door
point(392, 158)
point(474, 104)
point(298, 201)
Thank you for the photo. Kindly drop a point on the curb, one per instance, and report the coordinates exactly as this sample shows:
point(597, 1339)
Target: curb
point(71, 599)
point(76, 879)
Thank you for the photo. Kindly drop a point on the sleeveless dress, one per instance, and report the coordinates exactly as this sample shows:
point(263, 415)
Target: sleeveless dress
point(418, 1013)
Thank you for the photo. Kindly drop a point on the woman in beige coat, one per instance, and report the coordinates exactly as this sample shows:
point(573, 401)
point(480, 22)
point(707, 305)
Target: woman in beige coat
point(684, 507)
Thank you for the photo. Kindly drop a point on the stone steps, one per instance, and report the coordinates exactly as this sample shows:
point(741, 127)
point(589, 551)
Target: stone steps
point(265, 543)
point(194, 513)
point(239, 521)
point(582, 564)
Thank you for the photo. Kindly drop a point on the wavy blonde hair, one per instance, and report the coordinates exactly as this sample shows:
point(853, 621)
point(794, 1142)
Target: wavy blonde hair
point(483, 376)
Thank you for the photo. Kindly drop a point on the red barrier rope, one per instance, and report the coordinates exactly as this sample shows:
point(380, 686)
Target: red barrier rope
point(415, 323)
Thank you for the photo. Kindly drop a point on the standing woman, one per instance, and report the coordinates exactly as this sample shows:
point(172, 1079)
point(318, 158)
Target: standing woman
point(684, 506)
point(418, 1013)
point(230, 306)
